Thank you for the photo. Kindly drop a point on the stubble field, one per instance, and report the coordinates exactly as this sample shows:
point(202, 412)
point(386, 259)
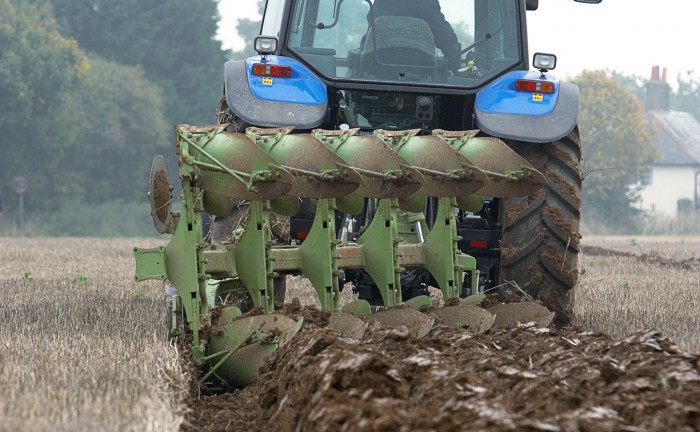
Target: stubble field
point(83, 347)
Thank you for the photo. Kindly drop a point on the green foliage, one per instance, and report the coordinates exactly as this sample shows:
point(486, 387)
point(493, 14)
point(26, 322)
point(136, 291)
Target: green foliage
point(636, 83)
point(80, 279)
point(172, 41)
point(617, 150)
point(119, 125)
point(248, 30)
point(38, 70)
point(687, 98)
point(28, 277)
point(116, 218)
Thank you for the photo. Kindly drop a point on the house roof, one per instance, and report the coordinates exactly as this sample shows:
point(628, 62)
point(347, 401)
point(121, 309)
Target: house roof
point(678, 138)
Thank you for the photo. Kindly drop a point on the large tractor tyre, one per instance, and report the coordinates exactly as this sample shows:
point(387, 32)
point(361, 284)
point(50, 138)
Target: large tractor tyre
point(541, 239)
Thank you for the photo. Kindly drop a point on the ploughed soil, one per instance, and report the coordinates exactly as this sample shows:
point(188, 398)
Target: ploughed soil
point(522, 379)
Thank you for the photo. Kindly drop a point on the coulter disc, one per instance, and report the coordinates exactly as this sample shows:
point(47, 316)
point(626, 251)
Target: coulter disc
point(160, 196)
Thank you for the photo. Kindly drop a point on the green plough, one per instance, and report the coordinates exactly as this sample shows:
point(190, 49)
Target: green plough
point(342, 171)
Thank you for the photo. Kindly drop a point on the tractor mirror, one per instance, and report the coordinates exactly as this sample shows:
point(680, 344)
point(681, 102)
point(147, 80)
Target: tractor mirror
point(532, 5)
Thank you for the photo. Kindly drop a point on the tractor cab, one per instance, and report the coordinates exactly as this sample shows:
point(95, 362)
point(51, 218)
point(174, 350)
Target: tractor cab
point(398, 44)
point(401, 65)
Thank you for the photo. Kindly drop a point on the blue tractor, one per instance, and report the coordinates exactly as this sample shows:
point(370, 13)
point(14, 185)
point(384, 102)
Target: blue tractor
point(414, 69)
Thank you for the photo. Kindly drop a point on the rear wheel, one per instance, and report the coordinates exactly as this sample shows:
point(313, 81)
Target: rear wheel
point(541, 239)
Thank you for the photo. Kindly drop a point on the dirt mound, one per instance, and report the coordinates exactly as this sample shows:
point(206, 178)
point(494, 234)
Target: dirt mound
point(524, 379)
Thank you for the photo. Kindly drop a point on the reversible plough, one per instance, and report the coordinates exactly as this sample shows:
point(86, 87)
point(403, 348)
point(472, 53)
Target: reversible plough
point(344, 172)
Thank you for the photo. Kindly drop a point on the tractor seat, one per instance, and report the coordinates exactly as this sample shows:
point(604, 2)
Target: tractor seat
point(402, 42)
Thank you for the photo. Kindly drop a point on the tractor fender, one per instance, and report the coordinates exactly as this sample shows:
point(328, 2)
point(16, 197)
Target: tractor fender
point(504, 112)
point(299, 100)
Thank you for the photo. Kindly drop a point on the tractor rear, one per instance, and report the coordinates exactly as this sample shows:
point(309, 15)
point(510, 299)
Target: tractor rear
point(359, 149)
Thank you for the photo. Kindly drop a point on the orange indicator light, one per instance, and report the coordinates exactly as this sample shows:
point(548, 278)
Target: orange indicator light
point(534, 86)
point(260, 69)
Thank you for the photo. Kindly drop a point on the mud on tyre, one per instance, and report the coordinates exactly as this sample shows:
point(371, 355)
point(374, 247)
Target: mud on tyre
point(541, 239)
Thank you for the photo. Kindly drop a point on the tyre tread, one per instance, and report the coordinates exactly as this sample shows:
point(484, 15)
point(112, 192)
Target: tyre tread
point(541, 233)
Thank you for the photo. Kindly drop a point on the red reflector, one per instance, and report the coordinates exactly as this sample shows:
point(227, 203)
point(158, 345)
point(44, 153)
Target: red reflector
point(302, 235)
point(534, 86)
point(478, 244)
point(260, 69)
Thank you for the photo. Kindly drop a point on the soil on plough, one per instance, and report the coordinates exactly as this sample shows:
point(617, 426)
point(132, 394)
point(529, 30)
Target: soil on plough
point(521, 379)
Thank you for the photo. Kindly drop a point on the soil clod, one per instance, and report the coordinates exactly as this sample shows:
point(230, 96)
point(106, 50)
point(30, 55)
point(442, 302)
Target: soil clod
point(524, 378)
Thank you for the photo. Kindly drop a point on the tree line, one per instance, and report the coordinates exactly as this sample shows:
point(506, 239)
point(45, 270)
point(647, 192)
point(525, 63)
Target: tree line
point(90, 91)
point(617, 140)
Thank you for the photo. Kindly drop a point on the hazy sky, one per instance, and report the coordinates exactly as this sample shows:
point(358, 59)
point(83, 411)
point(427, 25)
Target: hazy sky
point(625, 35)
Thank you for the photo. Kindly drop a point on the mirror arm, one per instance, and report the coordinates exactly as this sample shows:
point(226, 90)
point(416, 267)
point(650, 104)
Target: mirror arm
point(336, 17)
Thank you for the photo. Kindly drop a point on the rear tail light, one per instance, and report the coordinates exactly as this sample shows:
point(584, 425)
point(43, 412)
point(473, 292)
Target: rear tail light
point(260, 69)
point(478, 244)
point(534, 86)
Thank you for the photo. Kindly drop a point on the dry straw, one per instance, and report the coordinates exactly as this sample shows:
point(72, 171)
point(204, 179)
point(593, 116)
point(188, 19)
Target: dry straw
point(619, 295)
point(82, 347)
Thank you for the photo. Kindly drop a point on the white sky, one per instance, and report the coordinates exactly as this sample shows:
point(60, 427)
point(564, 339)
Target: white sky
point(625, 35)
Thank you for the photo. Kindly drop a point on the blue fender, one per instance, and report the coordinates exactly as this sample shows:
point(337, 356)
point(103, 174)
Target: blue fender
point(300, 100)
point(503, 112)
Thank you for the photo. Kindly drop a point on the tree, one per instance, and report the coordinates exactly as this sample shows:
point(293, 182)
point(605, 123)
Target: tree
point(38, 70)
point(617, 150)
point(687, 98)
point(636, 83)
point(172, 41)
point(248, 30)
point(119, 126)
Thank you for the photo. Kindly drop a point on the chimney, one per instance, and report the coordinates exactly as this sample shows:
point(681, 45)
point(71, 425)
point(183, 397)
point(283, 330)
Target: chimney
point(658, 97)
